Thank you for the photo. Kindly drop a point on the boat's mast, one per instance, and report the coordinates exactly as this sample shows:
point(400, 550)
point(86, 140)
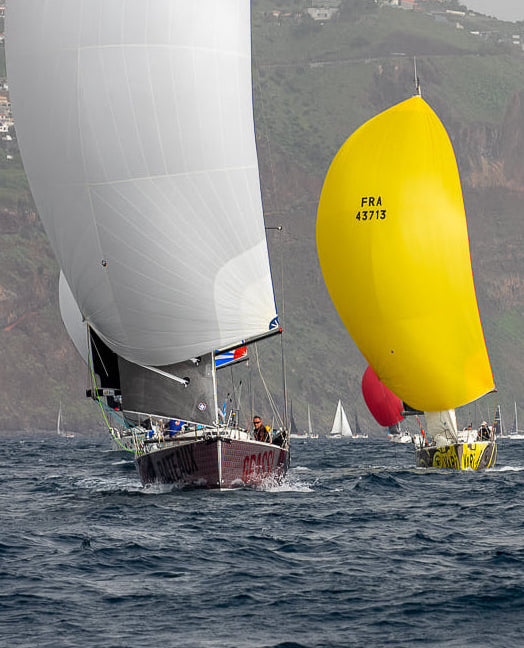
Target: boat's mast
point(284, 382)
point(417, 80)
point(286, 422)
point(215, 395)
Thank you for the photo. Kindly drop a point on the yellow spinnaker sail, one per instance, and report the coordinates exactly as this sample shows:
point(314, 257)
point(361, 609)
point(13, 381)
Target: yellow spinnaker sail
point(393, 247)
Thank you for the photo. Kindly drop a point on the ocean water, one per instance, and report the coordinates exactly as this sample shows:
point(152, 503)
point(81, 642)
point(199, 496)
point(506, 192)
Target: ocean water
point(356, 548)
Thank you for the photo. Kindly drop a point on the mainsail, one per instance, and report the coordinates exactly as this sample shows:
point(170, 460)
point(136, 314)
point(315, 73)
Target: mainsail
point(391, 222)
point(341, 426)
point(135, 124)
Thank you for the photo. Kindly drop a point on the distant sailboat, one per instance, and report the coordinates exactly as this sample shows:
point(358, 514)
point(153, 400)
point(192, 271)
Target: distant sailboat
point(498, 428)
point(341, 426)
point(358, 434)
point(397, 435)
point(514, 432)
point(59, 423)
point(311, 434)
point(391, 220)
point(293, 429)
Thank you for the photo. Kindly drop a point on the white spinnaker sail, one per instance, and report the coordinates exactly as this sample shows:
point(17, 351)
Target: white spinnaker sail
point(72, 319)
point(135, 124)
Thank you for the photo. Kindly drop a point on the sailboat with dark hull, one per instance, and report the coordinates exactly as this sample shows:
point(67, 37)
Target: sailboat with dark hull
point(391, 221)
point(198, 453)
point(151, 202)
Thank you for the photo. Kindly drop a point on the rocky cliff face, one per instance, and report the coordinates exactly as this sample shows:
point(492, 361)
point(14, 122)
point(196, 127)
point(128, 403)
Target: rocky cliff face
point(24, 287)
point(511, 147)
point(477, 151)
point(40, 367)
point(490, 155)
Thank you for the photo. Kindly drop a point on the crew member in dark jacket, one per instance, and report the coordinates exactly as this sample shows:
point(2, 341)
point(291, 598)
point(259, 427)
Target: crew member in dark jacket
point(261, 431)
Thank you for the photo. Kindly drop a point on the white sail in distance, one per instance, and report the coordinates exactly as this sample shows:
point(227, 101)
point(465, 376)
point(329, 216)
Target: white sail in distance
point(341, 426)
point(135, 124)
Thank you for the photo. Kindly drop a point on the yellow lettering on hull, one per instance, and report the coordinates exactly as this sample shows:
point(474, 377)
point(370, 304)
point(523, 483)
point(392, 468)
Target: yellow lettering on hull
point(460, 456)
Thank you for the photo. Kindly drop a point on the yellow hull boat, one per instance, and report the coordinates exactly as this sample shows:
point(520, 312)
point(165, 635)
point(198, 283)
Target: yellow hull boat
point(461, 456)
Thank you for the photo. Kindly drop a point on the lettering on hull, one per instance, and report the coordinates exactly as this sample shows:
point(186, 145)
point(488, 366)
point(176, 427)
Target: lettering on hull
point(473, 456)
point(177, 464)
point(174, 466)
point(258, 466)
point(201, 465)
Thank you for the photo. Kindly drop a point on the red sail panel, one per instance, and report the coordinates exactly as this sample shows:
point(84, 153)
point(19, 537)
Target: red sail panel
point(382, 403)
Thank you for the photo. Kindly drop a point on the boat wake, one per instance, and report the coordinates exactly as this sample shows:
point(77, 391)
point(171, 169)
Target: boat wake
point(292, 483)
point(121, 462)
point(112, 485)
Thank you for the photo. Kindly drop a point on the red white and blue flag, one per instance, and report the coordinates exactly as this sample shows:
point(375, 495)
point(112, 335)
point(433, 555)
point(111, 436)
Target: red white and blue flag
point(223, 359)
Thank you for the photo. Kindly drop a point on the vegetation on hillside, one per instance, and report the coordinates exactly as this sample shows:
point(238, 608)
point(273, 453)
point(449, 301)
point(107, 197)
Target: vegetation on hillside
point(314, 83)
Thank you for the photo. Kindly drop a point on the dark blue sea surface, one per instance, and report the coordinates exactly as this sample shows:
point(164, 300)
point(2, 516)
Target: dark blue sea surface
point(356, 548)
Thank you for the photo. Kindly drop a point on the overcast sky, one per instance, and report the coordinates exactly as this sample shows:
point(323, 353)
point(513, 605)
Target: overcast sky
point(502, 9)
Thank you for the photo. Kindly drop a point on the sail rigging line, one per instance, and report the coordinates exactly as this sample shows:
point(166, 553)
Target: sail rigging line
point(282, 318)
point(270, 398)
point(283, 355)
point(284, 380)
point(251, 396)
point(238, 397)
point(264, 131)
point(234, 396)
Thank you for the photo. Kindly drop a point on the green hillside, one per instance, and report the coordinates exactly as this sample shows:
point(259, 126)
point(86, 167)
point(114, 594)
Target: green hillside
point(314, 83)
